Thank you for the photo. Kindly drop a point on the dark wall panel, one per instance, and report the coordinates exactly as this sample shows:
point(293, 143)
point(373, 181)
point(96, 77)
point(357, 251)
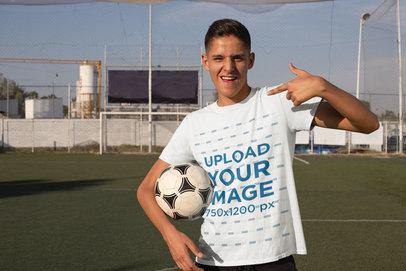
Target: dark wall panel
point(167, 86)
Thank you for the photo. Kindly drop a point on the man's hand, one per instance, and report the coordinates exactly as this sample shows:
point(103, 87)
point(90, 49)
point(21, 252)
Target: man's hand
point(340, 110)
point(179, 245)
point(301, 89)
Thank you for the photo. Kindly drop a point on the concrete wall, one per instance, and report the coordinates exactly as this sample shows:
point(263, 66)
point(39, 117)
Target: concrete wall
point(23, 133)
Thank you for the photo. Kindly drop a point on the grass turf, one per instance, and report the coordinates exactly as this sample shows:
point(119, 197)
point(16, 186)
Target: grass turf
point(78, 212)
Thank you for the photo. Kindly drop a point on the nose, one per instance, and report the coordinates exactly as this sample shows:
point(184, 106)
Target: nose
point(229, 64)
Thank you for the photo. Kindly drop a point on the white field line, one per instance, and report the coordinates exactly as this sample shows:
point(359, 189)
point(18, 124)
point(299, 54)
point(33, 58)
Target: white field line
point(357, 220)
point(301, 160)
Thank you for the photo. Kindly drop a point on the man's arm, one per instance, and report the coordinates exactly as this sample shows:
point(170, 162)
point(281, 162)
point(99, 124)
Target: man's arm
point(339, 110)
point(178, 243)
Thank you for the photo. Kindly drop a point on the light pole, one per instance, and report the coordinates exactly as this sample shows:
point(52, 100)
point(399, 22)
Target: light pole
point(399, 39)
point(364, 17)
point(69, 100)
point(150, 79)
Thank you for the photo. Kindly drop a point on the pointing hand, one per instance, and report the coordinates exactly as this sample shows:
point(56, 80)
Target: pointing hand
point(302, 88)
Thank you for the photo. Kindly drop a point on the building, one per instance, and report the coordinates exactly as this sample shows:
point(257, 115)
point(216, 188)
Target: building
point(44, 108)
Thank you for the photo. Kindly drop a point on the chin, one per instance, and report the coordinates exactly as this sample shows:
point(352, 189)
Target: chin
point(230, 90)
point(228, 93)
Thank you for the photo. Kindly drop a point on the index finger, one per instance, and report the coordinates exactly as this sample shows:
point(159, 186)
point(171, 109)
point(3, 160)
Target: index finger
point(278, 89)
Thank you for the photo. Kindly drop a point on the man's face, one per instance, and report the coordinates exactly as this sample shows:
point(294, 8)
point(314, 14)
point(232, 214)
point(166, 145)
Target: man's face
point(228, 61)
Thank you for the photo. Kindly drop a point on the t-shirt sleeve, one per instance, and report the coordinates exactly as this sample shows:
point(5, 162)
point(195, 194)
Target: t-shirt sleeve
point(299, 118)
point(178, 149)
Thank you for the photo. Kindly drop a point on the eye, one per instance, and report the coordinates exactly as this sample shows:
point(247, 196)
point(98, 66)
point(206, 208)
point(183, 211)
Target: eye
point(238, 58)
point(217, 58)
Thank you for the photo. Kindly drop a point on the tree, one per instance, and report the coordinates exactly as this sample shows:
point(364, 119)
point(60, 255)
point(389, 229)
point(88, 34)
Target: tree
point(388, 115)
point(31, 95)
point(13, 91)
point(51, 96)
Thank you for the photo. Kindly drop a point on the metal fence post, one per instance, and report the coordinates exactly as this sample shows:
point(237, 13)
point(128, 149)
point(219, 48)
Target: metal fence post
point(2, 133)
point(33, 135)
point(101, 134)
point(141, 133)
point(69, 142)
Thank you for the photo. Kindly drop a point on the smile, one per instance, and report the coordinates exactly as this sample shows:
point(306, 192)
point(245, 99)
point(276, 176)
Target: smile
point(228, 78)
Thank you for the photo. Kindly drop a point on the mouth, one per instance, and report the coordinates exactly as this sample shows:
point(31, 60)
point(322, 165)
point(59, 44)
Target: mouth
point(228, 78)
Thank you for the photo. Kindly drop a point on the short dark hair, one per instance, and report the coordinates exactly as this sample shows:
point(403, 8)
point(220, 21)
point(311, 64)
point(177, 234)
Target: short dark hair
point(227, 27)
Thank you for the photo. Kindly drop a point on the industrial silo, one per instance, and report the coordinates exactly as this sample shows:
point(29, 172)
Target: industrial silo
point(86, 93)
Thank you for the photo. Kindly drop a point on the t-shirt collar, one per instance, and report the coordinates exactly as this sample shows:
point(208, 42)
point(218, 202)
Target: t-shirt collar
point(225, 108)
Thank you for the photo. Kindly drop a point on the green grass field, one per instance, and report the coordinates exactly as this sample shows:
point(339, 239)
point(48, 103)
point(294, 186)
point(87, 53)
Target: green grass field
point(79, 212)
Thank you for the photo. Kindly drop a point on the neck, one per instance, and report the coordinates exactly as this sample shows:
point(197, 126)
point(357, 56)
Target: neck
point(242, 94)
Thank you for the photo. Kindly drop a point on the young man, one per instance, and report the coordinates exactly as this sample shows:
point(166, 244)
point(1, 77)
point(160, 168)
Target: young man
point(245, 141)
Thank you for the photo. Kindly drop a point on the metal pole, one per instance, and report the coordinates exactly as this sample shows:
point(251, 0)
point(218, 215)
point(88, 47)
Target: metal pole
point(138, 133)
point(69, 104)
point(150, 79)
point(8, 98)
point(32, 136)
point(73, 133)
point(53, 94)
point(2, 133)
point(201, 81)
point(362, 21)
point(359, 57)
point(104, 130)
point(177, 58)
point(386, 137)
point(105, 78)
point(312, 141)
point(400, 81)
point(101, 133)
point(69, 135)
point(141, 133)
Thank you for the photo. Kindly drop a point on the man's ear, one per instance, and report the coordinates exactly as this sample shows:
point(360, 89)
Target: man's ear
point(252, 60)
point(204, 62)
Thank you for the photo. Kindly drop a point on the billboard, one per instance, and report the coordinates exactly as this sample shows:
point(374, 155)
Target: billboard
point(131, 86)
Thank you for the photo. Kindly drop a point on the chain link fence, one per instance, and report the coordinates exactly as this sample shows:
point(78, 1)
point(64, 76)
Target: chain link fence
point(319, 37)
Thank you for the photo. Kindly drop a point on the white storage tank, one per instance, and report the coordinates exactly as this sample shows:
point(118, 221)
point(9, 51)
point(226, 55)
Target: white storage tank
point(44, 108)
point(86, 92)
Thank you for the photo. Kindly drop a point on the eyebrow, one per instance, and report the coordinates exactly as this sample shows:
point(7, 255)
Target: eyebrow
point(237, 55)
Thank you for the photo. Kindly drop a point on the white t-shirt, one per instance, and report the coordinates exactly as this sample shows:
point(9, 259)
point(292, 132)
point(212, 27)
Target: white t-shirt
point(247, 148)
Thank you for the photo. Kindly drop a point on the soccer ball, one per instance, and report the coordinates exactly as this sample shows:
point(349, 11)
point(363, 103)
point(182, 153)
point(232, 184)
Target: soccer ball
point(184, 191)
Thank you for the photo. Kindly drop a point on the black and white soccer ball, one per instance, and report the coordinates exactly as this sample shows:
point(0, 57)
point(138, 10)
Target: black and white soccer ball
point(184, 191)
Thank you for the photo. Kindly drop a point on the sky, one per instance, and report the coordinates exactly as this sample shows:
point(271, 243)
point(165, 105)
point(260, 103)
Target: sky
point(319, 37)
